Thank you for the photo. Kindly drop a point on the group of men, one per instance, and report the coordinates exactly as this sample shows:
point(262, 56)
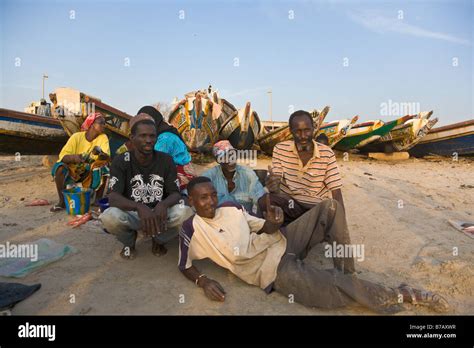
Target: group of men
point(260, 233)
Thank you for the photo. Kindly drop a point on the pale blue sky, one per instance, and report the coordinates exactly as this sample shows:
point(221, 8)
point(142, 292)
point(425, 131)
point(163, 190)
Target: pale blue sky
point(407, 59)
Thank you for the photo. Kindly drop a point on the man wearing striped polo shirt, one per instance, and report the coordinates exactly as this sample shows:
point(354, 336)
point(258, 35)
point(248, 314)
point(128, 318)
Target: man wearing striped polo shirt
point(303, 172)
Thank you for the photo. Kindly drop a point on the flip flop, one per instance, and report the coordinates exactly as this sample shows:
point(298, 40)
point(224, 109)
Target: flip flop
point(463, 226)
point(37, 202)
point(55, 208)
point(428, 299)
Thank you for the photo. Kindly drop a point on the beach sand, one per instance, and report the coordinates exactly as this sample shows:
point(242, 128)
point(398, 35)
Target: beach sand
point(397, 210)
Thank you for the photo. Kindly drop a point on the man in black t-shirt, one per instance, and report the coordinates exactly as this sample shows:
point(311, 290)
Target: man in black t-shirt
point(143, 193)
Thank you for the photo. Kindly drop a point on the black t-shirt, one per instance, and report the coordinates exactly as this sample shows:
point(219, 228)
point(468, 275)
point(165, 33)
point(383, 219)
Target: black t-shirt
point(148, 185)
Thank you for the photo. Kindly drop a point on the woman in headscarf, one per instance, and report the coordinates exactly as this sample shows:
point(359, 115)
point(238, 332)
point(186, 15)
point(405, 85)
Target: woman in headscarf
point(83, 159)
point(169, 141)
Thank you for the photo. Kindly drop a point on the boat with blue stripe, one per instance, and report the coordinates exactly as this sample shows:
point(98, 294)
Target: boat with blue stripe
point(452, 140)
point(30, 134)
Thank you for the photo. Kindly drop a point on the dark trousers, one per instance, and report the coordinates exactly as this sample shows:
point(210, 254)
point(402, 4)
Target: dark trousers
point(291, 207)
point(334, 288)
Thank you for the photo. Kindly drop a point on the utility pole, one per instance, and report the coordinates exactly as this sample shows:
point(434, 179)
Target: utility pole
point(271, 118)
point(44, 77)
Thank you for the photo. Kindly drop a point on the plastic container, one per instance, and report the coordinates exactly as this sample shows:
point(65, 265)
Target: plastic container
point(77, 200)
point(104, 204)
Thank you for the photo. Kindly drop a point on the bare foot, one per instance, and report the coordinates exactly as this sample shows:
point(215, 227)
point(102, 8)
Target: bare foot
point(158, 249)
point(128, 253)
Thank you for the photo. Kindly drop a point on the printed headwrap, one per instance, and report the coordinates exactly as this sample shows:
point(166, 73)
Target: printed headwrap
point(90, 120)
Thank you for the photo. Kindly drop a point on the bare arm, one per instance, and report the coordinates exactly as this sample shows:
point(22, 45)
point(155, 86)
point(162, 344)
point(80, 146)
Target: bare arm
point(274, 217)
point(171, 200)
point(119, 201)
point(212, 289)
point(70, 159)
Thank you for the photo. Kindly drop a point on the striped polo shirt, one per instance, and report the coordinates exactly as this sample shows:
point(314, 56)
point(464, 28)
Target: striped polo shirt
point(310, 183)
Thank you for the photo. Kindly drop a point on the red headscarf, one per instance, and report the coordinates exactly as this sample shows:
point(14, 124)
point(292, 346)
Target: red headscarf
point(90, 120)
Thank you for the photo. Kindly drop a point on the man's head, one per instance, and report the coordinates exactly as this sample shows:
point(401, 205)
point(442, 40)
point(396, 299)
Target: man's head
point(203, 196)
point(322, 139)
point(153, 112)
point(225, 155)
point(143, 133)
point(302, 128)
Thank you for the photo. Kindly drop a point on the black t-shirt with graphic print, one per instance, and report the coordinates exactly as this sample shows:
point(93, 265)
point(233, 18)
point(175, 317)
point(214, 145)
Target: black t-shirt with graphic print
point(148, 185)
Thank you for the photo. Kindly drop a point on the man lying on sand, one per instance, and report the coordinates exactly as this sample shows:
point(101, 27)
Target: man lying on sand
point(261, 253)
point(303, 172)
point(143, 192)
point(83, 159)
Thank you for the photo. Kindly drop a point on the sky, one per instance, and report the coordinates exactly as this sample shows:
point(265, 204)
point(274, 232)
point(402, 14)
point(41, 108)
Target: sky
point(366, 58)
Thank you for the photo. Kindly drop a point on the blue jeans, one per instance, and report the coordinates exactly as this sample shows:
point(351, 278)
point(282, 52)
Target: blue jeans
point(124, 224)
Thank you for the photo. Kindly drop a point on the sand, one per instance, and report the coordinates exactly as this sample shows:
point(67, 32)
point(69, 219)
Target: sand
point(398, 210)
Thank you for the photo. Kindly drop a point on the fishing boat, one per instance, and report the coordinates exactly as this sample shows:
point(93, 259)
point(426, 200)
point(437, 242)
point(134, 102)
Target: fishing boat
point(241, 128)
point(367, 132)
point(337, 130)
point(196, 119)
point(404, 136)
point(454, 139)
point(71, 107)
point(29, 134)
point(267, 141)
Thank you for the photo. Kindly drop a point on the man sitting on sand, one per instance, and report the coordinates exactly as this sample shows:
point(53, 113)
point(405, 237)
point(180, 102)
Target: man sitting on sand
point(143, 192)
point(168, 141)
point(261, 253)
point(83, 160)
point(233, 182)
point(303, 172)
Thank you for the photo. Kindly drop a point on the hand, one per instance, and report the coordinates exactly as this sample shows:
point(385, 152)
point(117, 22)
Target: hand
point(272, 181)
point(212, 289)
point(161, 214)
point(77, 159)
point(273, 214)
point(96, 150)
point(148, 220)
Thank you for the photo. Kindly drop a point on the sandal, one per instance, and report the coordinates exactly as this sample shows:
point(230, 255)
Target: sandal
point(428, 299)
point(55, 208)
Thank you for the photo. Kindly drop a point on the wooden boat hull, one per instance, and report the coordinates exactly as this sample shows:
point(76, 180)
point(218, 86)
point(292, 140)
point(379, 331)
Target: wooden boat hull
point(449, 140)
point(30, 134)
point(71, 107)
point(337, 130)
point(241, 129)
point(402, 137)
point(194, 119)
point(361, 135)
point(268, 140)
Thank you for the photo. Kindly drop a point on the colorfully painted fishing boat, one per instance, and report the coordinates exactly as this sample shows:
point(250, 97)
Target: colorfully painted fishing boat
point(337, 130)
point(241, 128)
point(364, 133)
point(196, 118)
point(71, 107)
point(457, 138)
point(404, 136)
point(267, 141)
point(30, 134)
